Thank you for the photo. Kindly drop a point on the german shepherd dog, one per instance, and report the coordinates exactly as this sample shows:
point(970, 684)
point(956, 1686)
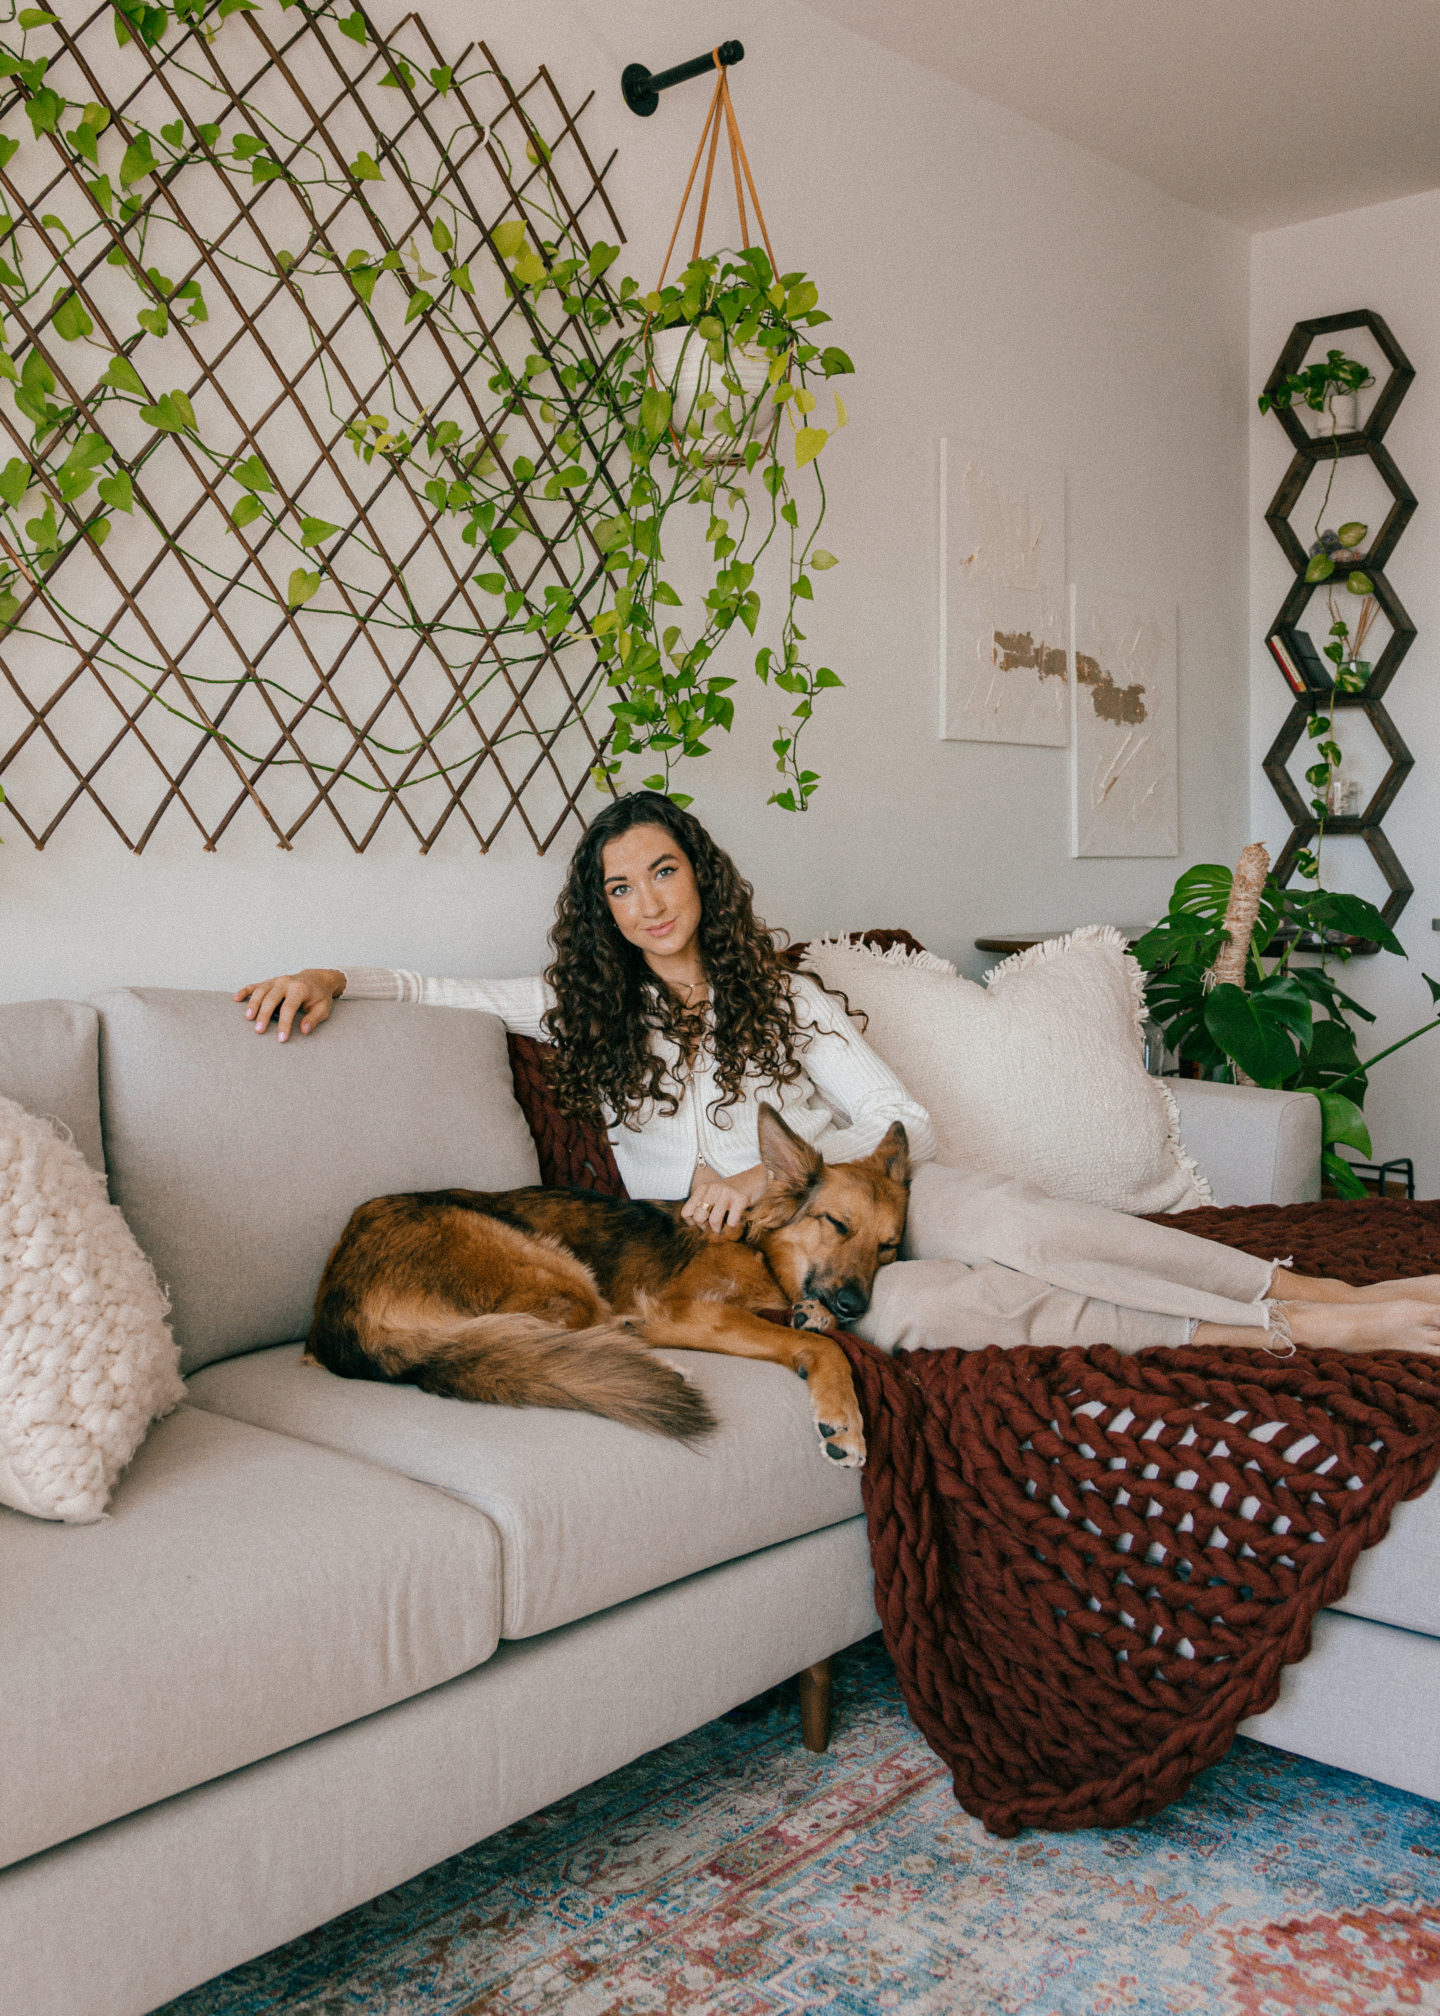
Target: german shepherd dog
point(549, 1298)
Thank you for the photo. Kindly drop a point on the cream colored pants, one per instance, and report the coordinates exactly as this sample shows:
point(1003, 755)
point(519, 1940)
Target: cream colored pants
point(992, 1260)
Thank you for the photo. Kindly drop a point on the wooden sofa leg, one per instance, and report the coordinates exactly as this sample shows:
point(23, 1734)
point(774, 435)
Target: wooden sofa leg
point(815, 1705)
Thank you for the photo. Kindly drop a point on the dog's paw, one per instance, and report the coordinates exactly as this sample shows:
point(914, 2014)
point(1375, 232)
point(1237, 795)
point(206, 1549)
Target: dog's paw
point(811, 1315)
point(845, 1446)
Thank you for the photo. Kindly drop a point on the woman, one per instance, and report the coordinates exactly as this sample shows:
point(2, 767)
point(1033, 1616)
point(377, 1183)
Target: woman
point(673, 1017)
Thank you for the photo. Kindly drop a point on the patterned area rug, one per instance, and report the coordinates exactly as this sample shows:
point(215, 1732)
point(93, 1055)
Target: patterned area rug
point(734, 1872)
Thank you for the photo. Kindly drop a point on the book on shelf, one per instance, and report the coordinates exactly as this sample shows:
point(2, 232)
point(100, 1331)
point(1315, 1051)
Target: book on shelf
point(1306, 672)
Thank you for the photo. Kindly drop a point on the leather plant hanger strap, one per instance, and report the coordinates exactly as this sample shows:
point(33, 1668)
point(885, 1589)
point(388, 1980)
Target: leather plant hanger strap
point(720, 107)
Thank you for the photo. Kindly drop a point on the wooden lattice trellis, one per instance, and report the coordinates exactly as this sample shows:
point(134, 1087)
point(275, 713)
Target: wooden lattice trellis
point(178, 664)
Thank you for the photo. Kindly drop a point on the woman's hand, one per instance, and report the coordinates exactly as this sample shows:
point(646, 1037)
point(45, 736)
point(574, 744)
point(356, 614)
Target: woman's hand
point(719, 1203)
point(310, 995)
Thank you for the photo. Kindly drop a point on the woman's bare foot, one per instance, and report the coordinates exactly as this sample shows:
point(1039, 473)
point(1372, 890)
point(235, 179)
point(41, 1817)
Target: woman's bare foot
point(1419, 1288)
point(1312, 1288)
point(1396, 1325)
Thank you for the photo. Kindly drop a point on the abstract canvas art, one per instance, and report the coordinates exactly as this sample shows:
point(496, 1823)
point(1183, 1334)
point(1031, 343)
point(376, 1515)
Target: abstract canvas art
point(1003, 621)
point(1123, 752)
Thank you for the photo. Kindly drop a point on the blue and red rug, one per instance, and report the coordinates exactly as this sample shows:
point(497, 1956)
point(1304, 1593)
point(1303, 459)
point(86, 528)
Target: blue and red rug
point(733, 1872)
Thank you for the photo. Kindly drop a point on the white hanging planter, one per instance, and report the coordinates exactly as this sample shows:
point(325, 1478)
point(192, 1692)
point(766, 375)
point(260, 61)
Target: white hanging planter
point(681, 361)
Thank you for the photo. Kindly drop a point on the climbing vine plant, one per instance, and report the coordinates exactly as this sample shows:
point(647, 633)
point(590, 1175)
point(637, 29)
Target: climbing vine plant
point(342, 468)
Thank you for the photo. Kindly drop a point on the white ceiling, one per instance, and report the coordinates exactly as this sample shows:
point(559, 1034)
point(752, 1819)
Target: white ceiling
point(1262, 111)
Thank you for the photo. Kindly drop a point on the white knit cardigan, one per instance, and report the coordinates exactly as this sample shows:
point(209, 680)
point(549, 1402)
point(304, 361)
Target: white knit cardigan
point(843, 1103)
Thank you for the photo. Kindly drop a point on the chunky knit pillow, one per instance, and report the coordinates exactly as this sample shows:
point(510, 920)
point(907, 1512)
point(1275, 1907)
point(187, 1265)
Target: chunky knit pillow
point(573, 1154)
point(1038, 1074)
point(86, 1359)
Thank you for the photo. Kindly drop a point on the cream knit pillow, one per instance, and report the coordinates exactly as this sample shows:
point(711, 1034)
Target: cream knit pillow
point(1039, 1073)
point(86, 1359)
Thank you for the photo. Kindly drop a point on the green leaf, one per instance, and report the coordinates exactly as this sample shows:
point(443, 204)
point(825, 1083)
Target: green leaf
point(399, 74)
point(45, 109)
point(440, 236)
point(139, 160)
point(117, 491)
point(365, 168)
point(171, 412)
point(420, 302)
point(14, 481)
point(1344, 1122)
point(1258, 1045)
point(834, 363)
point(530, 269)
point(9, 609)
point(37, 17)
point(363, 280)
point(442, 77)
point(491, 584)
point(460, 277)
point(315, 530)
point(8, 149)
point(69, 317)
point(303, 586)
point(1338, 911)
point(172, 135)
point(252, 473)
point(354, 26)
point(1340, 1176)
point(1320, 568)
point(655, 406)
point(245, 511)
point(508, 239)
point(808, 443)
point(1360, 584)
point(1352, 532)
point(825, 677)
point(264, 169)
point(156, 320)
point(820, 560)
point(84, 140)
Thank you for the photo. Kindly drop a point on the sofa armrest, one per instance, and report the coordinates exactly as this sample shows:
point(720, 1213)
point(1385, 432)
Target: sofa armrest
point(1257, 1147)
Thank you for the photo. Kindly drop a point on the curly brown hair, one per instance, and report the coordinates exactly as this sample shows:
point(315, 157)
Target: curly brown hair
point(608, 1002)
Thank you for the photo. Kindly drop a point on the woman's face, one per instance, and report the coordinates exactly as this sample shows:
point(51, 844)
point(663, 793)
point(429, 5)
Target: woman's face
point(650, 887)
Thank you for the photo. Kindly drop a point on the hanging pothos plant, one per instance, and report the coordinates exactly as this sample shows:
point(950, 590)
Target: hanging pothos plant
point(620, 470)
point(743, 453)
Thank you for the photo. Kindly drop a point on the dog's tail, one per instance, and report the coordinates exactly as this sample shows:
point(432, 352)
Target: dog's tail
point(515, 1360)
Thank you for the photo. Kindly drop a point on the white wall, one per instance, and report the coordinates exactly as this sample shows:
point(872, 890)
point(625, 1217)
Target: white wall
point(991, 281)
point(1386, 258)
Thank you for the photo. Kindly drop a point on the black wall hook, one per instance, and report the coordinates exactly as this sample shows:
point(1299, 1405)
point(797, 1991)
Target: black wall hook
point(642, 91)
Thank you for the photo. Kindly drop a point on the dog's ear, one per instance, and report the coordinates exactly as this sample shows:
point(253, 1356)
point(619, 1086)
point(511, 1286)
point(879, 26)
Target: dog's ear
point(892, 1157)
point(787, 1158)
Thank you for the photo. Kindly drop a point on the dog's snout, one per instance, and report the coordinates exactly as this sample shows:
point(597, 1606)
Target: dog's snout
point(849, 1302)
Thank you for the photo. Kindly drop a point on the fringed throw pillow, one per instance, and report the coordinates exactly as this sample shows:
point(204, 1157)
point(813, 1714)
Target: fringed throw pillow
point(86, 1359)
point(1039, 1073)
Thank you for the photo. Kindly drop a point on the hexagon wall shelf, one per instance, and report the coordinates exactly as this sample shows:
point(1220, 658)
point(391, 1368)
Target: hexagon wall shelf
point(1311, 449)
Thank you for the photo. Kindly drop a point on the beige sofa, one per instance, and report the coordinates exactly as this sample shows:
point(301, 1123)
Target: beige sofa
point(332, 1632)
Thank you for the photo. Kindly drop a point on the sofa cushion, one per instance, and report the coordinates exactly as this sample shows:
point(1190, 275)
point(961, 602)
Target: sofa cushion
point(589, 1513)
point(246, 1593)
point(1037, 1074)
point(237, 1161)
point(1398, 1582)
point(50, 1065)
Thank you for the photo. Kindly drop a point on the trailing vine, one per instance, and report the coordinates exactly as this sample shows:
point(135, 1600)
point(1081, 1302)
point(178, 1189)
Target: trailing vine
point(556, 501)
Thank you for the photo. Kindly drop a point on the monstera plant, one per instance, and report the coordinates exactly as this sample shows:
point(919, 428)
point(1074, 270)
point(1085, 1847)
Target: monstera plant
point(1280, 1022)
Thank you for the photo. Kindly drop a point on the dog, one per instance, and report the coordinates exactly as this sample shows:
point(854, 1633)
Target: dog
point(552, 1298)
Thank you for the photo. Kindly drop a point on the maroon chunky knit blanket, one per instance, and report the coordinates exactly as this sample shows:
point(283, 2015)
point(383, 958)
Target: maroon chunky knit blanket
point(1090, 1568)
